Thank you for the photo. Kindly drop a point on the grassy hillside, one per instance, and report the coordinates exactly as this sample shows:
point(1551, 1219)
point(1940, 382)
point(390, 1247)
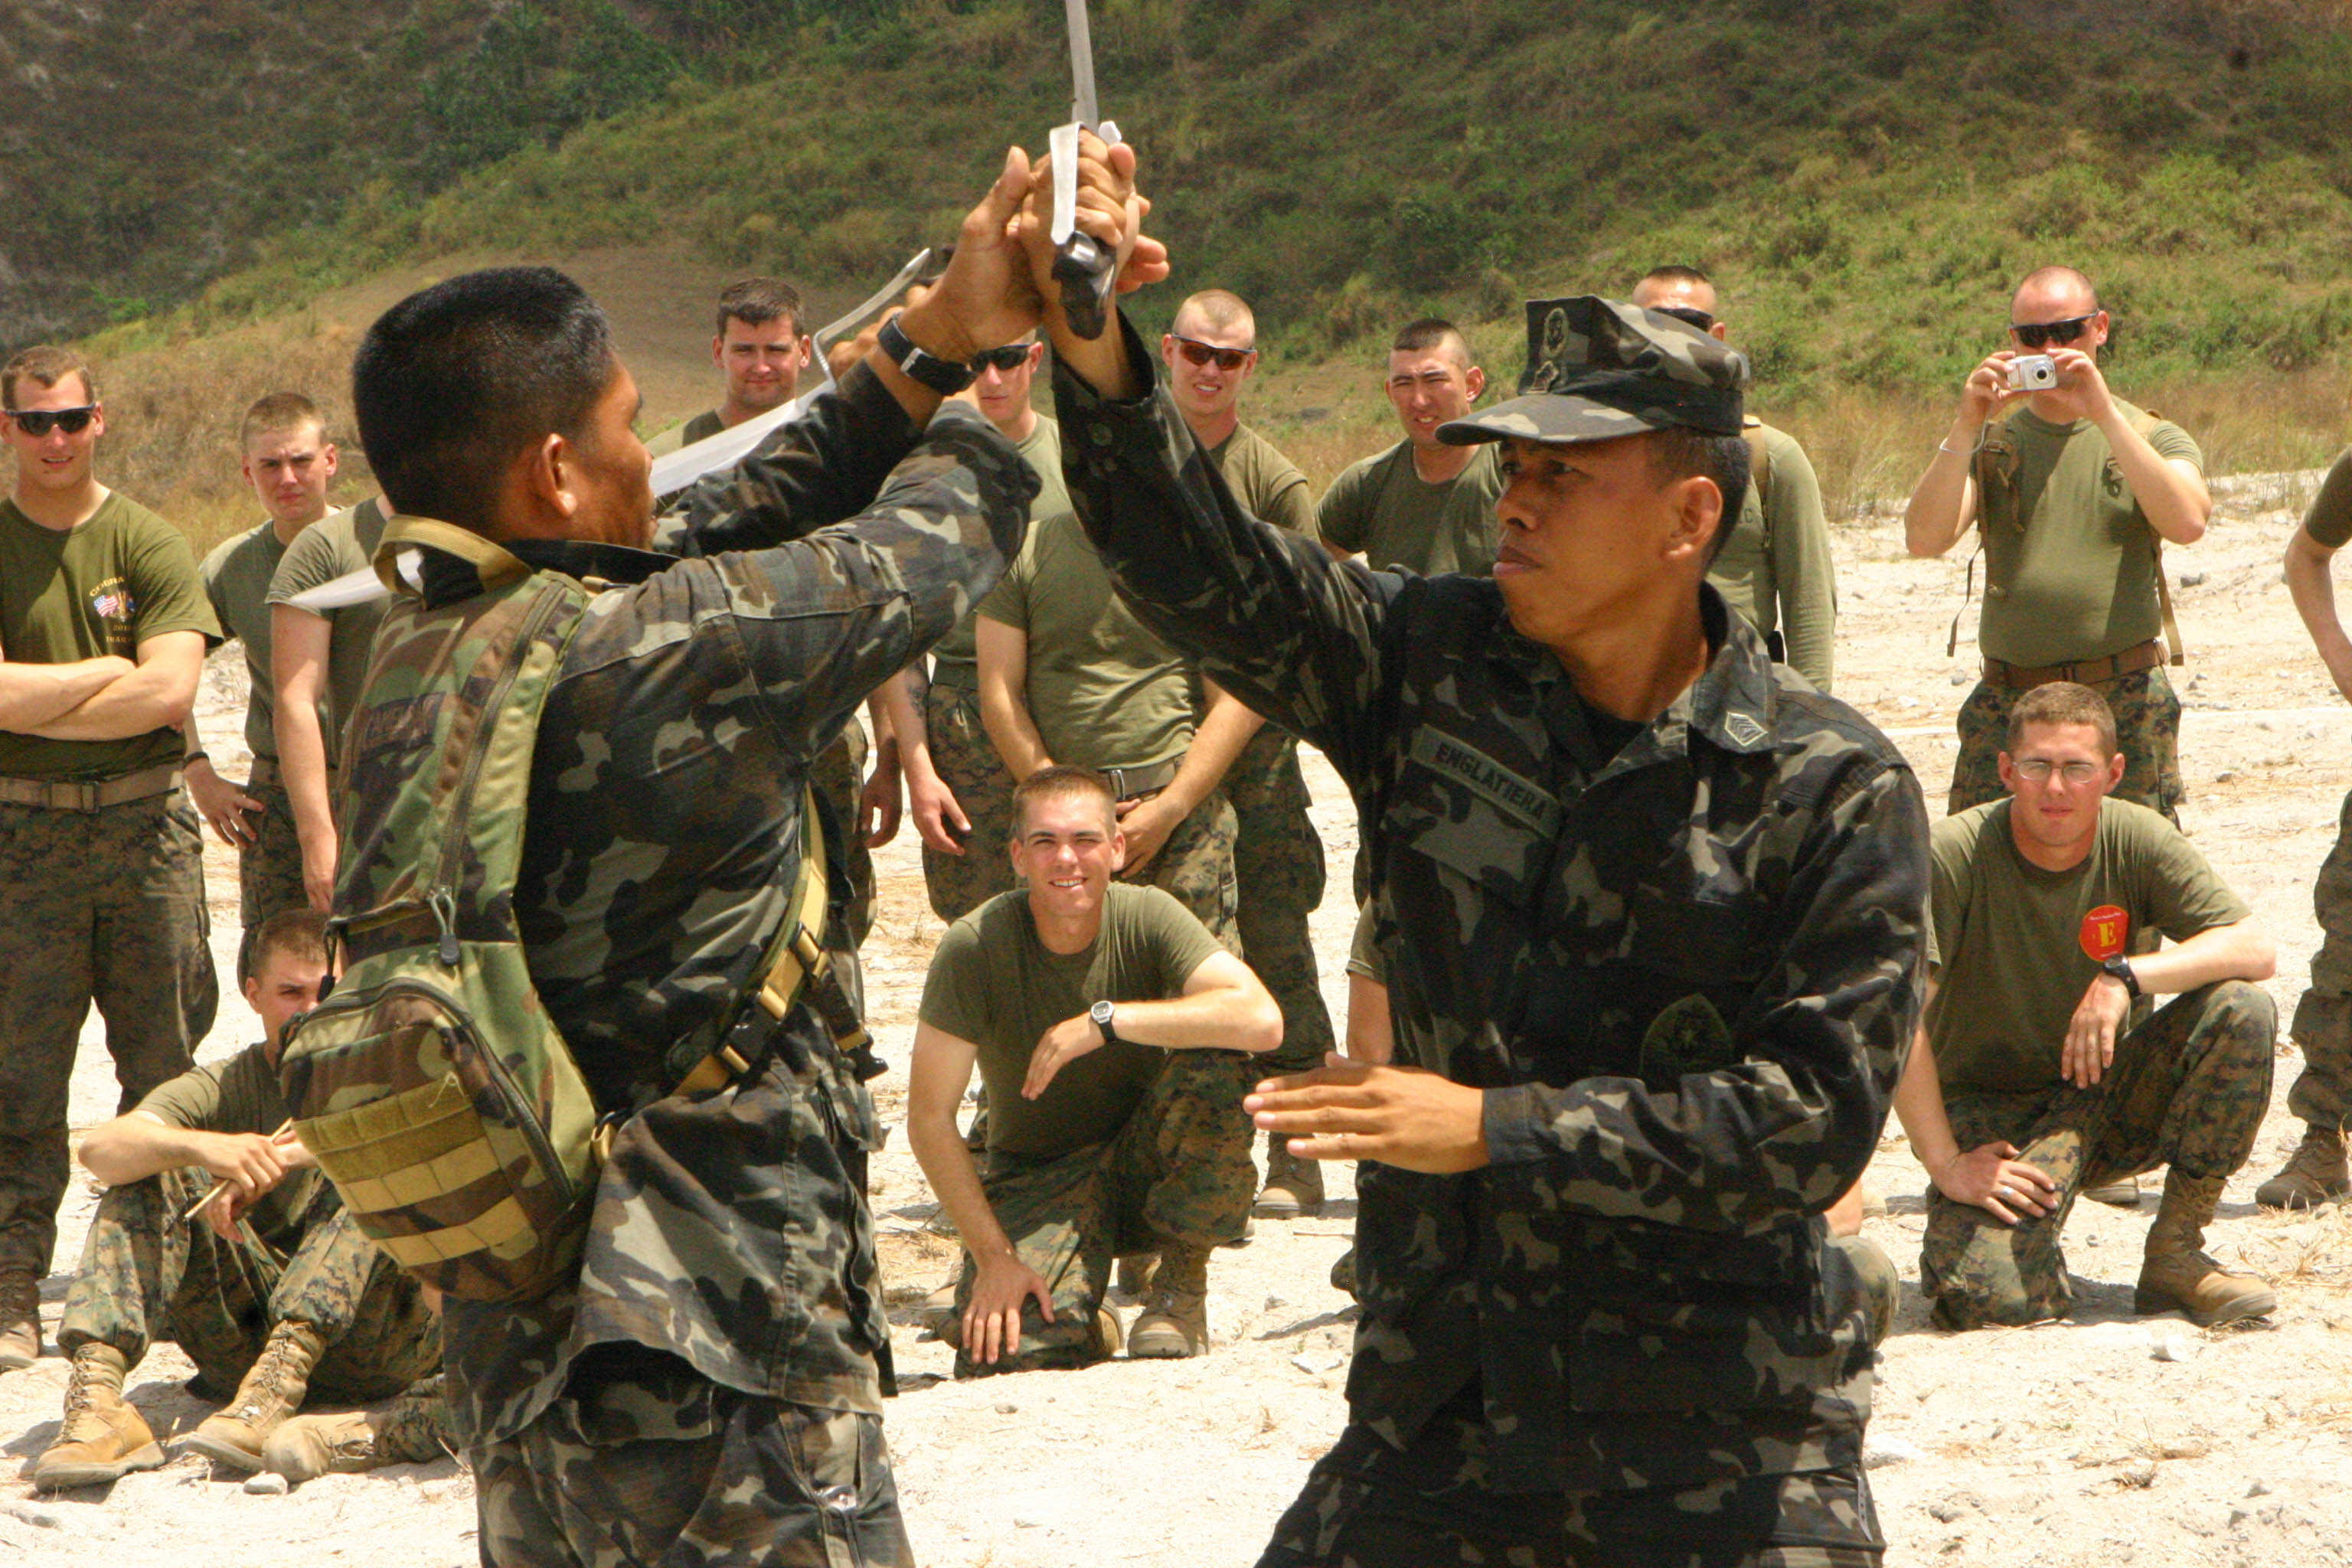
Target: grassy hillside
point(1867, 177)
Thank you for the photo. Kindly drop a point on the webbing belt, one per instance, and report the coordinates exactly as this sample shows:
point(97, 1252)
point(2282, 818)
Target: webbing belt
point(67, 795)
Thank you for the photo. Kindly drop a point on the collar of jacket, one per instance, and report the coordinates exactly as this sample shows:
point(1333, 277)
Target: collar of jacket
point(1732, 704)
point(447, 579)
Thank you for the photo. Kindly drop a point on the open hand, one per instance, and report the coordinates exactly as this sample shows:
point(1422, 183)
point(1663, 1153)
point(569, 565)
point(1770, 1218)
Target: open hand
point(991, 1323)
point(2091, 1033)
point(1065, 1042)
point(1405, 1117)
point(222, 804)
point(1992, 1178)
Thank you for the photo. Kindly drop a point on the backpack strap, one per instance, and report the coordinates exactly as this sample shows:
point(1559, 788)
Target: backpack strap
point(799, 968)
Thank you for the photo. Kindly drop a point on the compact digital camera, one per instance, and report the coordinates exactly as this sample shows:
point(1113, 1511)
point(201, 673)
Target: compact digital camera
point(2032, 372)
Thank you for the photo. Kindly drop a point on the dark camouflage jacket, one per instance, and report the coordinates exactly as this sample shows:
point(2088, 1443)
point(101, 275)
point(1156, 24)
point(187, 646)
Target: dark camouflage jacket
point(731, 1229)
point(1685, 974)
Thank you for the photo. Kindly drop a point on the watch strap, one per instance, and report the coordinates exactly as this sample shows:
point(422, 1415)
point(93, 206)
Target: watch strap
point(945, 376)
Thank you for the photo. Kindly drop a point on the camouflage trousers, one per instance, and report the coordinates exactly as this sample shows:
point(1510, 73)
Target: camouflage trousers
point(2187, 1088)
point(2321, 1094)
point(147, 1274)
point(1178, 1171)
point(1278, 879)
point(103, 906)
point(641, 1462)
point(1431, 1504)
point(2147, 732)
point(270, 869)
point(838, 775)
point(967, 763)
point(1196, 866)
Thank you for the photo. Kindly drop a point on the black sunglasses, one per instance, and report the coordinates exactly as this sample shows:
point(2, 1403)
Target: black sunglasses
point(1199, 353)
point(1691, 313)
point(41, 421)
point(2034, 334)
point(1008, 359)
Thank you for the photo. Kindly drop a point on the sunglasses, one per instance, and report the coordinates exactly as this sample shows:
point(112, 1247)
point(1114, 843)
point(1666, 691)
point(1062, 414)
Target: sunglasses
point(2034, 334)
point(1690, 313)
point(41, 421)
point(1198, 353)
point(1008, 359)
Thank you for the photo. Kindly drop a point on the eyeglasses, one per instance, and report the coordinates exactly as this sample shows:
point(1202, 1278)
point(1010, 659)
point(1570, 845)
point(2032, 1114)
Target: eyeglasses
point(41, 421)
point(1008, 359)
point(2040, 768)
point(2034, 334)
point(1198, 353)
point(1691, 313)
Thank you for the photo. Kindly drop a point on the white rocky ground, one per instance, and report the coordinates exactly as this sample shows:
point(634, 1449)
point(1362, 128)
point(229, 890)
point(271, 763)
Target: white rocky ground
point(2108, 1439)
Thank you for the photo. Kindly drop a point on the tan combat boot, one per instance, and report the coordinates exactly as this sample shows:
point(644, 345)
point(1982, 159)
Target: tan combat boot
point(1293, 1187)
point(1175, 1321)
point(2314, 1174)
point(101, 1438)
point(20, 1321)
point(270, 1392)
point(2175, 1274)
point(406, 1432)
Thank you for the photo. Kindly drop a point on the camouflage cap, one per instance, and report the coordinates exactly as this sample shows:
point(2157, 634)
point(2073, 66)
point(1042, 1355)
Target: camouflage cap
point(1598, 369)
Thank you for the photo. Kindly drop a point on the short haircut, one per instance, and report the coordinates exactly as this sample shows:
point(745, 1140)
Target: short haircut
point(1060, 781)
point(1428, 333)
point(1679, 453)
point(454, 383)
point(1670, 273)
point(48, 365)
point(756, 302)
point(1219, 309)
point(279, 411)
point(2063, 703)
point(299, 933)
point(2046, 276)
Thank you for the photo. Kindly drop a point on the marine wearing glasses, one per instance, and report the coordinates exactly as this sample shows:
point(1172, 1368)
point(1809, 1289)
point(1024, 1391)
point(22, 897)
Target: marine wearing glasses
point(39, 422)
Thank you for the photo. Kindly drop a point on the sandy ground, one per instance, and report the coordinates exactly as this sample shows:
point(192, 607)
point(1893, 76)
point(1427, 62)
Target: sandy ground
point(2108, 1439)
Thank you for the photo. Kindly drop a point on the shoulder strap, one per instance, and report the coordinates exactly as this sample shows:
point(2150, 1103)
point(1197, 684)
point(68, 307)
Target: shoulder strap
point(1760, 473)
point(2144, 425)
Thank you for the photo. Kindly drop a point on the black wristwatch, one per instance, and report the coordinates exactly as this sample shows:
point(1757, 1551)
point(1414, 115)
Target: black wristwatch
point(2116, 965)
point(945, 376)
point(1101, 1014)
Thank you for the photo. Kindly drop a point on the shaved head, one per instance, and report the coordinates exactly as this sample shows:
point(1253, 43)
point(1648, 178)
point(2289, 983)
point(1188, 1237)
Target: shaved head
point(2060, 286)
point(1219, 310)
point(1683, 286)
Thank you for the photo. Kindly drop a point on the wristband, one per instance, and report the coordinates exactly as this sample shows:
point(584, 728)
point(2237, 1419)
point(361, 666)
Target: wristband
point(194, 757)
point(945, 376)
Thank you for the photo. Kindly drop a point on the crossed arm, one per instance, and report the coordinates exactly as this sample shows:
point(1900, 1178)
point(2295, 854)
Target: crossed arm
point(1224, 1007)
point(105, 699)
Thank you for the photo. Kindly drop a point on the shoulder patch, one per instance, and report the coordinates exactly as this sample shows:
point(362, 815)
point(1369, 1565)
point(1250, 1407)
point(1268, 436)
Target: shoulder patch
point(1482, 776)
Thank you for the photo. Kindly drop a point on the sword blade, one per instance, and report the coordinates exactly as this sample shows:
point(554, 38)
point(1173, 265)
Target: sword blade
point(1083, 107)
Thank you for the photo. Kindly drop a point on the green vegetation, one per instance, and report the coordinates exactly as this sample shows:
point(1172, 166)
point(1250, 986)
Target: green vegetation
point(1867, 177)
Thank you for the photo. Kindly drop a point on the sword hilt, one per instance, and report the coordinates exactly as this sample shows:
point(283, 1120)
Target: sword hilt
point(1083, 270)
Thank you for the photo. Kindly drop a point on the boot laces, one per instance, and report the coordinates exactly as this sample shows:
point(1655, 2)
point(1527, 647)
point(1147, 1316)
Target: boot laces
point(83, 1419)
point(269, 1372)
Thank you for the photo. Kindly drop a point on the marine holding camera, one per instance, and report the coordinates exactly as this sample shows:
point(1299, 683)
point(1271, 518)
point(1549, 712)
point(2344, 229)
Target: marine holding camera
point(2076, 493)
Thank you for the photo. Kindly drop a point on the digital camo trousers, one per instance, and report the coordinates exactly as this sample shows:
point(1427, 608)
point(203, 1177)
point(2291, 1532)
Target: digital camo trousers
point(148, 1274)
point(103, 906)
point(641, 1462)
point(270, 869)
point(2187, 1088)
point(967, 763)
point(1431, 1504)
point(1178, 1171)
point(838, 775)
point(2147, 732)
point(1195, 866)
point(2321, 1094)
point(1279, 877)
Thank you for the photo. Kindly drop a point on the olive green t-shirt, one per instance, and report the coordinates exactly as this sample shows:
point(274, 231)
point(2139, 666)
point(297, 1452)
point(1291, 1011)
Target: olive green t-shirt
point(237, 579)
point(955, 660)
point(334, 547)
point(2329, 520)
point(239, 1095)
point(2015, 943)
point(1776, 571)
point(104, 587)
point(992, 982)
point(1399, 521)
point(2075, 578)
point(1267, 484)
point(1103, 691)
